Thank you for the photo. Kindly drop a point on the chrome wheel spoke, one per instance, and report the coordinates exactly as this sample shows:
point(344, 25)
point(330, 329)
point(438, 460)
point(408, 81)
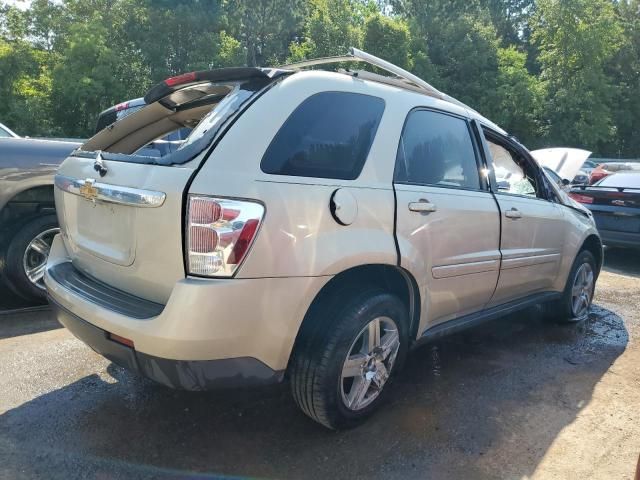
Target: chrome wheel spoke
point(358, 392)
point(374, 334)
point(390, 343)
point(353, 366)
point(576, 290)
point(36, 273)
point(40, 246)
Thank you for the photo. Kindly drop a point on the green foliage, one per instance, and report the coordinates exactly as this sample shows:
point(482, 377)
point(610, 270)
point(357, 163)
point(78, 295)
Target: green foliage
point(519, 95)
point(330, 29)
point(84, 81)
point(388, 38)
point(575, 40)
point(624, 70)
point(552, 72)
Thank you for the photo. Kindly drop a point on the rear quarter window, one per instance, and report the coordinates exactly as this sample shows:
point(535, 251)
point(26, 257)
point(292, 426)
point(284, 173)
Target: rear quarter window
point(328, 135)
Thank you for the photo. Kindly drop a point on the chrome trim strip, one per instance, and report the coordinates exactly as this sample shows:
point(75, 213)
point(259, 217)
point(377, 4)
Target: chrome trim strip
point(530, 260)
point(103, 192)
point(447, 271)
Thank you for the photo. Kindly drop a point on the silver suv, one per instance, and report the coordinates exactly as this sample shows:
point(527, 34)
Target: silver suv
point(313, 226)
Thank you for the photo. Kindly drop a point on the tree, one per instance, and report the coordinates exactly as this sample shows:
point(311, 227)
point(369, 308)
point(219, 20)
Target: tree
point(575, 40)
point(388, 38)
point(84, 83)
point(511, 19)
point(265, 28)
point(330, 29)
point(519, 96)
point(625, 73)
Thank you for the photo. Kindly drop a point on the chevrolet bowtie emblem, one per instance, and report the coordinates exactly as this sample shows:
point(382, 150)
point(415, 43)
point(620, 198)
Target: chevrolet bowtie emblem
point(88, 190)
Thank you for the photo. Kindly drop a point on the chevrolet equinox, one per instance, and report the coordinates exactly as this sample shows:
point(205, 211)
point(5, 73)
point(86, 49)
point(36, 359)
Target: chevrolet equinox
point(313, 226)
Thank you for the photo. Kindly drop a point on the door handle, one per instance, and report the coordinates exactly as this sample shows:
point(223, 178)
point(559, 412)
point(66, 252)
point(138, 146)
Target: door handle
point(423, 206)
point(514, 213)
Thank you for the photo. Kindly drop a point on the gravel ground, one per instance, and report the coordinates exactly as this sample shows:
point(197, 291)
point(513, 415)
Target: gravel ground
point(517, 398)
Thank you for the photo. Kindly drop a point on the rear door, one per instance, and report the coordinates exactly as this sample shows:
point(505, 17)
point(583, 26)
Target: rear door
point(533, 226)
point(448, 224)
point(121, 213)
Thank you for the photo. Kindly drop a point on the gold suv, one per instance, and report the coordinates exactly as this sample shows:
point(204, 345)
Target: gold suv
point(313, 226)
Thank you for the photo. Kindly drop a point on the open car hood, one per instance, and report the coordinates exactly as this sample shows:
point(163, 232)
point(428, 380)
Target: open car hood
point(566, 162)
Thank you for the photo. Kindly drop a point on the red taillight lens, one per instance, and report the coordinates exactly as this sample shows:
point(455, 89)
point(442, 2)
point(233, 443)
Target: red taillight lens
point(180, 79)
point(220, 233)
point(204, 211)
point(203, 239)
point(122, 106)
point(244, 241)
point(581, 198)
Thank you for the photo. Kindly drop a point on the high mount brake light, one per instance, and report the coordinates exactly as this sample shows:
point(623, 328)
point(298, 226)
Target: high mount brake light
point(180, 79)
point(220, 233)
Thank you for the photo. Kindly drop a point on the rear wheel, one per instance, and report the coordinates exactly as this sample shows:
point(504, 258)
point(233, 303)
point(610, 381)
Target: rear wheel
point(26, 256)
point(346, 357)
point(578, 293)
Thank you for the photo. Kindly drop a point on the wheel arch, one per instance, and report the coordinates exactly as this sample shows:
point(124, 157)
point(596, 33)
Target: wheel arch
point(593, 244)
point(391, 278)
point(26, 203)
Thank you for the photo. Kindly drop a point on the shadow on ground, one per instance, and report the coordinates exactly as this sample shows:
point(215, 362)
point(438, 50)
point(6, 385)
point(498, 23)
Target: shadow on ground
point(623, 261)
point(27, 322)
point(486, 403)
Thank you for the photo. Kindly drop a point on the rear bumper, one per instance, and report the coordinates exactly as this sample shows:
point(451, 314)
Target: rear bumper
point(612, 238)
point(181, 374)
point(210, 332)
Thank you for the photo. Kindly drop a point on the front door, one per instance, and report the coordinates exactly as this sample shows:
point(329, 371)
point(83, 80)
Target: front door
point(448, 224)
point(532, 226)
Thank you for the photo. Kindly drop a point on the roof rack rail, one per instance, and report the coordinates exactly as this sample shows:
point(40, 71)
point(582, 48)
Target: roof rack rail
point(356, 55)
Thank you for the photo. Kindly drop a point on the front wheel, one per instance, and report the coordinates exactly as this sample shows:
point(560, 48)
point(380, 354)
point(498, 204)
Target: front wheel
point(578, 293)
point(346, 357)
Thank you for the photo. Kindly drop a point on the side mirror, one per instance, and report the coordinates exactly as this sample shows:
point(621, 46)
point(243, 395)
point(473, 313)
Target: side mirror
point(566, 182)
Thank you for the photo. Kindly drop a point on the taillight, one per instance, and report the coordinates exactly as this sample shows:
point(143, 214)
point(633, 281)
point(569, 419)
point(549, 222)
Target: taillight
point(581, 198)
point(220, 233)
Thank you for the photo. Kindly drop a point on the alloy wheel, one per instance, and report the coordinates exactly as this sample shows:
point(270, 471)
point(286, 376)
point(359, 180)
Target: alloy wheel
point(582, 290)
point(369, 362)
point(35, 256)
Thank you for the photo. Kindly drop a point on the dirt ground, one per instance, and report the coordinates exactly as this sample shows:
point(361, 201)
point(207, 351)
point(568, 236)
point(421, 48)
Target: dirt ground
point(518, 398)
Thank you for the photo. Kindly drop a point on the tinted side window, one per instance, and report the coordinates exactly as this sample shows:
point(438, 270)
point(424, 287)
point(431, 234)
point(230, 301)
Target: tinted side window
point(436, 149)
point(328, 136)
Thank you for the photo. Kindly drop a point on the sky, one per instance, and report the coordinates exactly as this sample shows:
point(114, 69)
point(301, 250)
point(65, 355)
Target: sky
point(21, 4)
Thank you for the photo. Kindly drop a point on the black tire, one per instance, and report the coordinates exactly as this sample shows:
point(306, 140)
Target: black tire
point(14, 271)
point(327, 337)
point(562, 311)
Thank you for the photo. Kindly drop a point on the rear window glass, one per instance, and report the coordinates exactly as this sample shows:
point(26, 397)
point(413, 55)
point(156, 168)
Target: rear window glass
point(621, 180)
point(328, 136)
